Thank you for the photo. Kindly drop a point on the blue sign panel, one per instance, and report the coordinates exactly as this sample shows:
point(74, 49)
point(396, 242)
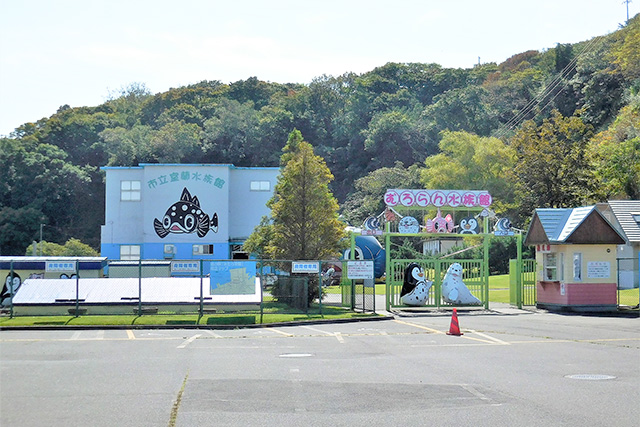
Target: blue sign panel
point(233, 278)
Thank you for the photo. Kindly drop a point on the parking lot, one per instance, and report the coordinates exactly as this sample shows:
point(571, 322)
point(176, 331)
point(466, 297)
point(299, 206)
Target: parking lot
point(523, 368)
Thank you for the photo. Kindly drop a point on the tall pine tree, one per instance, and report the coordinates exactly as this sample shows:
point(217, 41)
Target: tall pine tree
point(303, 209)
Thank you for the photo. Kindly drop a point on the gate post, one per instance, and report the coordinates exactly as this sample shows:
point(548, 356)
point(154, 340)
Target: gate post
point(387, 279)
point(485, 267)
point(519, 283)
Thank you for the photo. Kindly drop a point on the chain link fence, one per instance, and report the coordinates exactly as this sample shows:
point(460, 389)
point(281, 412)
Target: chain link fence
point(250, 291)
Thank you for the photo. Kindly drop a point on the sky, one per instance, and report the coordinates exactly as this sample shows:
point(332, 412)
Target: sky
point(82, 52)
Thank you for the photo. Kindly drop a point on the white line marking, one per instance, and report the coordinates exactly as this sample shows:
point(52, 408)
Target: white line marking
point(130, 334)
point(496, 340)
point(76, 335)
point(100, 334)
point(338, 335)
point(311, 328)
point(213, 334)
point(189, 341)
point(280, 332)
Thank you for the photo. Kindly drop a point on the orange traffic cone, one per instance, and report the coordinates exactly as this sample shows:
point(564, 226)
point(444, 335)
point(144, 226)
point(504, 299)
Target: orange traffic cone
point(454, 329)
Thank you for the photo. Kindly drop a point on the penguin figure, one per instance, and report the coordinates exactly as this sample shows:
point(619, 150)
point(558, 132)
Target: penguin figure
point(415, 289)
point(469, 225)
point(454, 291)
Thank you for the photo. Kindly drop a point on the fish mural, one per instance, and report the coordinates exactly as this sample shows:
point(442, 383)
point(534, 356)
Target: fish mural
point(185, 216)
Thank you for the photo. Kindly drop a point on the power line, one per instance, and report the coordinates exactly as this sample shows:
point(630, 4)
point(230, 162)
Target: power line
point(548, 89)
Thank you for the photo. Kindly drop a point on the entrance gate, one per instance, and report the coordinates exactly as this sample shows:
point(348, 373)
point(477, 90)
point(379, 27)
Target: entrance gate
point(522, 282)
point(474, 278)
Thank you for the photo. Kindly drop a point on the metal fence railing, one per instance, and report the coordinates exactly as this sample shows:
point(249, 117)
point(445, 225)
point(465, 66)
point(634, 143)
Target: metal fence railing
point(435, 271)
point(245, 291)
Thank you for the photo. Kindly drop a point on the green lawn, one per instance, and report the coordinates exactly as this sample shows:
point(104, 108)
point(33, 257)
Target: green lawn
point(272, 313)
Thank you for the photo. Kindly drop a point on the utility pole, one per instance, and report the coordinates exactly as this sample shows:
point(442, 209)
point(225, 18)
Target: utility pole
point(627, 2)
point(41, 225)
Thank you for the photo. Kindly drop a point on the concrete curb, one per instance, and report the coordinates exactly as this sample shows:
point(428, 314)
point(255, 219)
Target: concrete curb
point(250, 326)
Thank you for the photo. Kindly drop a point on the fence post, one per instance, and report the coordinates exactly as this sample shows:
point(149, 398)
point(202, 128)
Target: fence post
point(352, 256)
point(485, 267)
point(77, 287)
point(320, 286)
point(387, 267)
point(261, 289)
point(140, 287)
point(519, 282)
point(11, 290)
point(201, 304)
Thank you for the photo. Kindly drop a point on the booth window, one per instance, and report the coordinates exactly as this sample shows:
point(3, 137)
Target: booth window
point(553, 266)
point(260, 186)
point(130, 191)
point(577, 267)
point(130, 252)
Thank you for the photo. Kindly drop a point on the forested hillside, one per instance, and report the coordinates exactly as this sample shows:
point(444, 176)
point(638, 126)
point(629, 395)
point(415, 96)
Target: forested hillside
point(554, 128)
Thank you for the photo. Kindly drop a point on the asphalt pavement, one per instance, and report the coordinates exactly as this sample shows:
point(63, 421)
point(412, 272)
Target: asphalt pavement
point(510, 367)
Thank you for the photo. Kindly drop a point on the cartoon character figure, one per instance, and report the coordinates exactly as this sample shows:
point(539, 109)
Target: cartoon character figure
point(503, 227)
point(11, 285)
point(408, 224)
point(469, 225)
point(371, 223)
point(454, 291)
point(185, 216)
point(415, 289)
point(440, 224)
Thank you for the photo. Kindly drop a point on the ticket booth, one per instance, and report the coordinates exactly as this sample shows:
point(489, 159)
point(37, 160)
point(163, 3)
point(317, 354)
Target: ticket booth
point(575, 258)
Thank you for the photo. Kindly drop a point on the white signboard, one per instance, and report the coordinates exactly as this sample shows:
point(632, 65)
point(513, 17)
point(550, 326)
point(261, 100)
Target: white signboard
point(360, 269)
point(305, 267)
point(185, 266)
point(60, 266)
point(437, 198)
point(598, 270)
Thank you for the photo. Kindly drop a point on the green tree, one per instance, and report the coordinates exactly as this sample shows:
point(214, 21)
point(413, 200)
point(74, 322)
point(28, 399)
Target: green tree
point(368, 197)
point(229, 134)
point(395, 136)
point(304, 212)
point(615, 153)
point(258, 242)
point(552, 170)
point(176, 142)
point(467, 161)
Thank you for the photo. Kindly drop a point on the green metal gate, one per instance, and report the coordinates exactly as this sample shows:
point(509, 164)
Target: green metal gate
point(522, 282)
point(474, 277)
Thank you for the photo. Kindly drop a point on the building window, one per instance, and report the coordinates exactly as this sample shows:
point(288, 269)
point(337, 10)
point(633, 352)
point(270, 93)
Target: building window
point(577, 267)
point(130, 252)
point(260, 186)
point(203, 249)
point(553, 266)
point(130, 191)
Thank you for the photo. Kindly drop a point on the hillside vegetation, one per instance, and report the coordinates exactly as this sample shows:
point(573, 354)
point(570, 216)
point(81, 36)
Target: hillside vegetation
point(542, 129)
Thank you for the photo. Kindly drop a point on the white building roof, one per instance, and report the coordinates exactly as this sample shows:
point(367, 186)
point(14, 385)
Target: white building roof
point(627, 213)
point(155, 290)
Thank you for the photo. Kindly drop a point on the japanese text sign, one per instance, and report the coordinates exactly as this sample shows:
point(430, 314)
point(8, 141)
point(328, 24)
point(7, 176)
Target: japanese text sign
point(438, 198)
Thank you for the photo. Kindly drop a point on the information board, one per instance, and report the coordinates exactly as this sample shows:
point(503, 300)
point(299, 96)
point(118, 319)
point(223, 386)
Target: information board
point(598, 270)
point(360, 269)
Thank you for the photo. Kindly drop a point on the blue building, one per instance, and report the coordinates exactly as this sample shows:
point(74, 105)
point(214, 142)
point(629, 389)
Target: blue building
point(183, 211)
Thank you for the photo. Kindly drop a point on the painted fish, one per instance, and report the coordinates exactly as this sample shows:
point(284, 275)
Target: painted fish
point(185, 216)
